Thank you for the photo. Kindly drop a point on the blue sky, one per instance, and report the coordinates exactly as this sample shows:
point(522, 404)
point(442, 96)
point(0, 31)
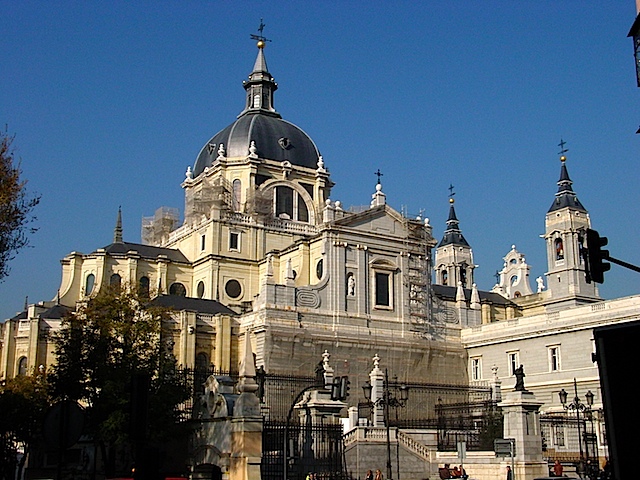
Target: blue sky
point(111, 101)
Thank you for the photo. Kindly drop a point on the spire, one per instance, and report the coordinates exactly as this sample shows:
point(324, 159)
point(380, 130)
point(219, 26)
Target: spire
point(117, 232)
point(453, 234)
point(565, 197)
point(261, 85)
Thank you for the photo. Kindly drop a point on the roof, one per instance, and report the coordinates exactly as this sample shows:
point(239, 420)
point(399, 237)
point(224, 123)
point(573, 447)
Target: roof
point(447, 292)
point(199, 305)
point(145, 251)
point(565, 197)
point(56, 312)
point(453, 234)
point(275, 138)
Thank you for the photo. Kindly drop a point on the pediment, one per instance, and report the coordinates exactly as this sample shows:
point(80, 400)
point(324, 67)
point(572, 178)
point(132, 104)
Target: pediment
point(382, 220)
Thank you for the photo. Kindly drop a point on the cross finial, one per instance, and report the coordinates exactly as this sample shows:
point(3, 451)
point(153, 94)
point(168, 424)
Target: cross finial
point(562, 150)
point(378, 173)
point(497, 275)
point(260, 37)
point(451, 192)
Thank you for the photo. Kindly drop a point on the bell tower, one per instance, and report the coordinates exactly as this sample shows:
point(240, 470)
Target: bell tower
point(454, 258)
point(565, 229)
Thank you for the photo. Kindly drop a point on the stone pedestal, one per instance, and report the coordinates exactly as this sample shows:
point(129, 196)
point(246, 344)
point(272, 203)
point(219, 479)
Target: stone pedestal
point(522, 423)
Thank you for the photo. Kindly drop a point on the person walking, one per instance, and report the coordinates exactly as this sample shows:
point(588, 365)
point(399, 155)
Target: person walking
point(369, 475)
point(509, 473)
point(379, 475)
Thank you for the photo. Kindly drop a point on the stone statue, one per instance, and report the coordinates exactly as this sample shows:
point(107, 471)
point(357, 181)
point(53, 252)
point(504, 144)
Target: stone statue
point(351, 285)
point(540, 283)
point(519, 373)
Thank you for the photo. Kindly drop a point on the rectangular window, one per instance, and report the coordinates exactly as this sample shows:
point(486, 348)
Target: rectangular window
point(514, 362)
point(234, 241)
point(476, 368)
point(382, 290)
point(559, 436)
point(554, 358)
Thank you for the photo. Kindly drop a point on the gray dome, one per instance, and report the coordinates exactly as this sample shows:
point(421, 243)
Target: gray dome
point(275, 139)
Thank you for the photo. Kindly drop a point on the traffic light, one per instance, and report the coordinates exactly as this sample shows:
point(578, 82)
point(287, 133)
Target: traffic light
point(594, 264)
point(340, 388)
point(335, 389)
point(344, 387)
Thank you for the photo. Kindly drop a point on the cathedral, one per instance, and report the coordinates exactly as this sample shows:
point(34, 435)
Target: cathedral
point(264, 255)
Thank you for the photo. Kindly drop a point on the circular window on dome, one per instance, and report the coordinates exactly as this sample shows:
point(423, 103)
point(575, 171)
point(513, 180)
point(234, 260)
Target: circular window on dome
point(284, 143)
point(233, 289)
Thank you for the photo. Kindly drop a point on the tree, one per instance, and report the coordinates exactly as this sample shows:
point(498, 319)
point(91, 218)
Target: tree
point(15, 206)
point(103, 351)
point(23, 403)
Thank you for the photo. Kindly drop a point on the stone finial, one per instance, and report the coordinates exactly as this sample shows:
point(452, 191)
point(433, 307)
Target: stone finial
point(247, 368)
point(378, 198)
point(253, 151)
point(221, 152)
point(460, 298)
point(325, 358)
point(376, 361)
point(320, 164)
point(188, 174)
point(494, 370)
point(475, 297)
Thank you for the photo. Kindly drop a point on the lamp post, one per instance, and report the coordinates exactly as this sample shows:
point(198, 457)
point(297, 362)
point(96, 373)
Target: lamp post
point(387, 401)
point(578, 407)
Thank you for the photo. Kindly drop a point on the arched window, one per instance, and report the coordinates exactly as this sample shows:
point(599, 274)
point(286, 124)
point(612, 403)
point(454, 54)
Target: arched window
point(559, 249)
point(445, 277)
point(237, 195)
point(202, 361)
point(115, 280)
point(290, 205)
point(89, 284)
point(22, 366)
point(143, 287)
point(463, 275)
point(177, 289)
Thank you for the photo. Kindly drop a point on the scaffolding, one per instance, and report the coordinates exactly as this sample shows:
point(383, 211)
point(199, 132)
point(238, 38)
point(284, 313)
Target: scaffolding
point(201, 199)
point(156, 229)
point(417, 275)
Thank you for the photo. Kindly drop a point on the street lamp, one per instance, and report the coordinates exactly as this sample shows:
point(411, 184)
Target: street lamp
point(387, 400)
point(578, 406)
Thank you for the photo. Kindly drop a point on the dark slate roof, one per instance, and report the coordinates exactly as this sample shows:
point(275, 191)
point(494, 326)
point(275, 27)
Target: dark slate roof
point(453, 234)
point(199, 305)
point(447, 292)
point(266, 130)
point(565, 197)
point(21, 316)
point(56, 312)
point(145, 251)
point(275, 138)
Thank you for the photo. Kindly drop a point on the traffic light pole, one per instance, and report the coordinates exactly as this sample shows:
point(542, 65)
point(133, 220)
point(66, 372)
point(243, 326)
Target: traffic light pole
point(623, 264)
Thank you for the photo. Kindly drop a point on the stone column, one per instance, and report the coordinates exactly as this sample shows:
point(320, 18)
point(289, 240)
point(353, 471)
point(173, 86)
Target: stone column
point(522, 422)
point(376, 377)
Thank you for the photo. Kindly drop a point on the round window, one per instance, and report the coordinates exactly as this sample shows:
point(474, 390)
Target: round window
point(200, 289)
point(233, 288)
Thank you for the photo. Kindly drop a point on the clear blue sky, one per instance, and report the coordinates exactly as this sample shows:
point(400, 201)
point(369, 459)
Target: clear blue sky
point(111, 101)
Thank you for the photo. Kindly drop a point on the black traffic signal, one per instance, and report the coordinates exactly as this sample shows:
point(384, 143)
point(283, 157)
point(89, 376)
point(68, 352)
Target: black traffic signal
point(340, 388)
point(594, 264)
point(344, 387)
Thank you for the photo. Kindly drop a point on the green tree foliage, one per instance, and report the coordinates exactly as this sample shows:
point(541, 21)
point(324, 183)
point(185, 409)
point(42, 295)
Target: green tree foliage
point(23, 403)
point(15, 206)
point(115, 338)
